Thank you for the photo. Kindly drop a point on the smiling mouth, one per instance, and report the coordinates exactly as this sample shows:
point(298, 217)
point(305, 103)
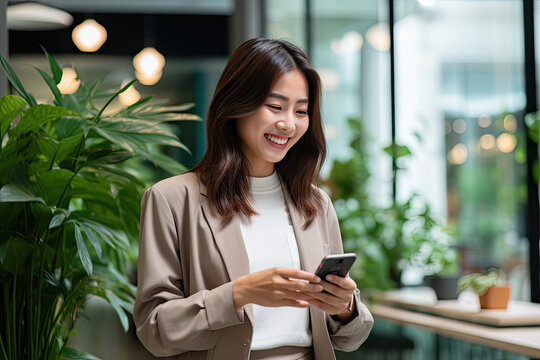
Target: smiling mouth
point(276, 140)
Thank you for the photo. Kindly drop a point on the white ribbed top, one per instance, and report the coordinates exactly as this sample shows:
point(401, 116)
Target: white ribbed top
point(270, 242)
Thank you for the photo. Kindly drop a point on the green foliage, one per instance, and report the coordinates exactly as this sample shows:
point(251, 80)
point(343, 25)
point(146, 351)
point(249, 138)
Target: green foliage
point(532, 121)
point(70, 207)
point(477, 282)
point(385, 239)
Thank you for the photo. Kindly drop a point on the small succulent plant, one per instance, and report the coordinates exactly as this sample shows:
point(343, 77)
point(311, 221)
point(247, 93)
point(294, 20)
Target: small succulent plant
point(477, 282)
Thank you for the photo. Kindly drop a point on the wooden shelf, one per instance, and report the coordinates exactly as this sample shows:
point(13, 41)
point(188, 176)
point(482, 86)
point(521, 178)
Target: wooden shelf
point(515, 330)
point(518, 313)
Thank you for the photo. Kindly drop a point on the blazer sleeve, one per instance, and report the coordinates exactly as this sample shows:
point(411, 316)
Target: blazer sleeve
point(346, 337)
point(169, 323)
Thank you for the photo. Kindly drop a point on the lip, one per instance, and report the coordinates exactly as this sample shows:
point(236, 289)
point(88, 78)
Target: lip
point(273, 144)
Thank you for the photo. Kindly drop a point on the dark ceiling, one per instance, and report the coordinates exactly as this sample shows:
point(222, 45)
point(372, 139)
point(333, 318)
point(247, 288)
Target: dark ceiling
point(127, 34)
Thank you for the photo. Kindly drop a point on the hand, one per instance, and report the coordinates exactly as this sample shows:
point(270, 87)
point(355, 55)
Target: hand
point(276, 287)
point(338, 297)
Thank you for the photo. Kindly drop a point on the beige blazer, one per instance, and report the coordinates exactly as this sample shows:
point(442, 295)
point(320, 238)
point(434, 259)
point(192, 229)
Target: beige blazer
point(188, 260)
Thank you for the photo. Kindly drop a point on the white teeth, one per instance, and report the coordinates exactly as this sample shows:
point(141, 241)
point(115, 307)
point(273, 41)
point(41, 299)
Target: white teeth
point(276, 140)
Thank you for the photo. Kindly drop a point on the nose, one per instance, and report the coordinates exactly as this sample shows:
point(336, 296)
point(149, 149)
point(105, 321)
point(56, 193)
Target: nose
point(286, 124)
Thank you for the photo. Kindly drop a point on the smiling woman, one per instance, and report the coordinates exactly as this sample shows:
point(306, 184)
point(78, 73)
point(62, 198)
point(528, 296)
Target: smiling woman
point(228, 250)
point(268, 133)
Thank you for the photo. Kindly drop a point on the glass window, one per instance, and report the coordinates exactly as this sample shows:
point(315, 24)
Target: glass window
point(459, 100)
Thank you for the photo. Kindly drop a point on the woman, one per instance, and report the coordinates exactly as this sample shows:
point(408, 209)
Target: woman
point(228, 250)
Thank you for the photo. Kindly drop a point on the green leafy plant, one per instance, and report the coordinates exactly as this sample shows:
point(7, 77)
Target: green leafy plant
point(385, 239)
point(70, 207)
point(532, 121)
point(479, 283)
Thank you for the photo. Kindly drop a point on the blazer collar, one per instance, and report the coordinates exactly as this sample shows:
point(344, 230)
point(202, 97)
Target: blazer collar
point(229, 239)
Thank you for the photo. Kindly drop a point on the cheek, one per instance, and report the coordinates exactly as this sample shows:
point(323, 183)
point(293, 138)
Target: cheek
point(302, 127)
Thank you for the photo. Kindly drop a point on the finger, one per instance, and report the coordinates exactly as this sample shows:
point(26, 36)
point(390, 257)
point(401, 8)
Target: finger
point(343, 282)
point(295, 303)
point(301, 286)
point(297, 274)
point(335, 290)
point(295, 295)
point(324, 297)
point(324, 306)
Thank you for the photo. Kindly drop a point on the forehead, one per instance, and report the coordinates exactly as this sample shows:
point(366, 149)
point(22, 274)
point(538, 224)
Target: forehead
point(292, 84)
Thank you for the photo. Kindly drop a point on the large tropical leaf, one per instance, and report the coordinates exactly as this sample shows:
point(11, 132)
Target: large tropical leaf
point(83, 251)
point(18, 193)
point(76, 354)
point(10, 107)
point(14, 80)
point(38, 115)
point(134, 134)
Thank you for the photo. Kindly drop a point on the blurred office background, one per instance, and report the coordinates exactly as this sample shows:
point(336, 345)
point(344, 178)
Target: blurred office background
point(459, 71)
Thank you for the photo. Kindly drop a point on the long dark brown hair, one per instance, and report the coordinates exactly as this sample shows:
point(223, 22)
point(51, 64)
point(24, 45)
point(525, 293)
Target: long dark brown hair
point(252, 70)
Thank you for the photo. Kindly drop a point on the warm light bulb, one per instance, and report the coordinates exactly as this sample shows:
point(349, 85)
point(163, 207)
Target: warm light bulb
point(69, 82)
point(506, 143)
point(510, 123)
point(89, 35)
point(484, 121)
point(458, 155)
point(487, 141)
point(148, 79)
point(149, 61)
point(378, 37)
point(130, 96)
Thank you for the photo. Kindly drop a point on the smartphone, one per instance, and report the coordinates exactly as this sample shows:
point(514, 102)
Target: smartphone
point(337, 264)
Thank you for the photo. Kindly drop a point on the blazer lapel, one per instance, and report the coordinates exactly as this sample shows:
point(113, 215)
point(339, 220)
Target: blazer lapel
point(309, 240)
point(229, 241)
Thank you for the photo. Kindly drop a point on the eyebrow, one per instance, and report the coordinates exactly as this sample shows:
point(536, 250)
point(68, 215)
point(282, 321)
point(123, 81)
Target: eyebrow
point(284, 98)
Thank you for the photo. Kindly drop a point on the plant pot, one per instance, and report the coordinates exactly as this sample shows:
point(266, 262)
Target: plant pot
point(496, 297)
point(445, 287)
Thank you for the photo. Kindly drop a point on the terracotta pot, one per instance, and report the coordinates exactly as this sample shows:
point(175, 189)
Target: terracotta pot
point(496, 297)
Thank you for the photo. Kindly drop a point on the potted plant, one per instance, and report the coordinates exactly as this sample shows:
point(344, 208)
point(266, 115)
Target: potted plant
point(492, 292)
point(69, 205)
point(385, 239)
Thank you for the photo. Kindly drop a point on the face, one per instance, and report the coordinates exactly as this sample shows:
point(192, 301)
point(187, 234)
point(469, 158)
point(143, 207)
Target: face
point(267, 134)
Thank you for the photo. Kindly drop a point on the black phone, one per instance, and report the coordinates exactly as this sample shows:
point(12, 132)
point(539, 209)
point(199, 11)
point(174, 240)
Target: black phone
point(337, 264)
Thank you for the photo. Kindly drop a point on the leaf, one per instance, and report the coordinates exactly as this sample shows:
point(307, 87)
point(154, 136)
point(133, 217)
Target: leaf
point(397, 151)
point(135, 135)
point(14, 80)
point(93, 240)
point(89, 231)
point(51, 85)
point(57, 220)
point(17, 193)
point(116, 304)
point(55, 69)
point(165, 162)
point(83, 251)
point(16, 254)
point(68, 146)
point(76, 354)
point(98, 116)
point(10, 107)
point(3, 250)
point(38, 115)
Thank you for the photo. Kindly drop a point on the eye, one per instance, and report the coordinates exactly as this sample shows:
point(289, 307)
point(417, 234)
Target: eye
point(302, 112)
point(274, 107)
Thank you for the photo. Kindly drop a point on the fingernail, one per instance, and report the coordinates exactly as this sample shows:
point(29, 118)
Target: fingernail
point(320, 288)
point(317, 279)
point(330, 277)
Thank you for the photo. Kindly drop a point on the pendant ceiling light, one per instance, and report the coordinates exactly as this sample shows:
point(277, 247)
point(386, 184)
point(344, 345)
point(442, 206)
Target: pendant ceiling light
point(89, 35)
point(33, 16)
point(148, 65)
